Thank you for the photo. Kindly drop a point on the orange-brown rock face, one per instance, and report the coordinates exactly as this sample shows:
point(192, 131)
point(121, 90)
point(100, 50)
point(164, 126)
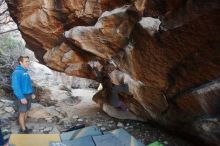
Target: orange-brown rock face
point(160, 58)
point(43, 22)
point(109, 35)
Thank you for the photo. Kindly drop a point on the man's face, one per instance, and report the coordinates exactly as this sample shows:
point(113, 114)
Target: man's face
point(25, 63)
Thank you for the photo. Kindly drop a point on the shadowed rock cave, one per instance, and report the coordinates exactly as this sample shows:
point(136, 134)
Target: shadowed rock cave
point(161, 58)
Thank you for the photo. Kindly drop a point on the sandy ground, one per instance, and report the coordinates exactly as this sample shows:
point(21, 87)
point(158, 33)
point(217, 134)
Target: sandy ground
point(81, 110)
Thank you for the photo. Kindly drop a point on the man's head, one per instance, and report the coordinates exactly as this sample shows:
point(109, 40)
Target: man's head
point(23, 61)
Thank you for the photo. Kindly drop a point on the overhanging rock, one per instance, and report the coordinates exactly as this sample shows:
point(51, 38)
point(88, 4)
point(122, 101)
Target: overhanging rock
point(170, 65)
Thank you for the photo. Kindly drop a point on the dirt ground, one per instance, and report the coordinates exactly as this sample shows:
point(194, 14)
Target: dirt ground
point(81, 110)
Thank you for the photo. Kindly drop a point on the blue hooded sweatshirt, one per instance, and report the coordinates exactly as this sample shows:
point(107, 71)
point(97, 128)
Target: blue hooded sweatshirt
point(21, 82)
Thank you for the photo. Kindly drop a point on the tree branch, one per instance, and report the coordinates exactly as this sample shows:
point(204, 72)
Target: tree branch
point(8, 31)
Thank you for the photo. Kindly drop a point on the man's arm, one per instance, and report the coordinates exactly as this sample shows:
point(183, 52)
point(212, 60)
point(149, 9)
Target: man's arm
point(16, 81)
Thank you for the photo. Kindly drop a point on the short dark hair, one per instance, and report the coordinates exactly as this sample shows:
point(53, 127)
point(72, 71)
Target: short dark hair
point(21, 58)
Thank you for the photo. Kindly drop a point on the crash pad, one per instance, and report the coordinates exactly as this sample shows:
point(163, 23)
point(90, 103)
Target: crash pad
point(107, 140)
point(156, 143)
point(33, 139)
point(125, 138)
point(84, 141)
point(88, 131)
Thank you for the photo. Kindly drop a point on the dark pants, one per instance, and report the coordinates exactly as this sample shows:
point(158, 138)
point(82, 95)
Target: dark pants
point(23, 108)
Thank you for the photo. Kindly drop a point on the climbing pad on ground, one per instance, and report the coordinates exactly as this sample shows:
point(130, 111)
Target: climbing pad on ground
point(33, 139)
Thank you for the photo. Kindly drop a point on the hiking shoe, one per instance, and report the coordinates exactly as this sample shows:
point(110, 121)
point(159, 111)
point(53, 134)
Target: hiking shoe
point(23, 131)
point(26, 131)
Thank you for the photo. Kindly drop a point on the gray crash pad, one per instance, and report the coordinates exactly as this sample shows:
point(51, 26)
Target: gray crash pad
point(84, 141)
point(125, 138)
point(107, 140)
point(88, 131)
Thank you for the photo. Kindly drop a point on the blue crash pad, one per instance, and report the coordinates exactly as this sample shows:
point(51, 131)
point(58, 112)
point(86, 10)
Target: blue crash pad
point(126, 138)
point(107, 140)
point(88, 131)
point(84, 141)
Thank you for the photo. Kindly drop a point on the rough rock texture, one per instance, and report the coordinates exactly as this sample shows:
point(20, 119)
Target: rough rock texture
point(63, 58)
point(52, 86)
point(109, 35)
point(44, 21)
point(166, 52)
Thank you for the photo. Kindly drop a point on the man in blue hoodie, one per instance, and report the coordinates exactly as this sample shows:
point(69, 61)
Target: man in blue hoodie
point(22, 87)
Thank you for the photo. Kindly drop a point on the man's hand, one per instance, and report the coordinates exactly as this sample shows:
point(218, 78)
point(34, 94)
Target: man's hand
point(24, 101)
point(33, 96)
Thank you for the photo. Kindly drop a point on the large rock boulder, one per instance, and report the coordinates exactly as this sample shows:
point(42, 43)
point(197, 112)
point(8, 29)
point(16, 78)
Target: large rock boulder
point(109, 35)
point(165, 52)
point(43, 22)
